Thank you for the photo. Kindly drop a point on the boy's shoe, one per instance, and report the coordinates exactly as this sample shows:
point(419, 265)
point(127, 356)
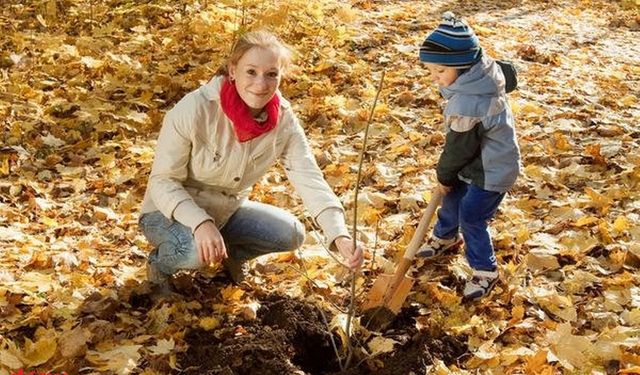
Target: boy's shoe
point(436, 246)
point(236, 269)
point(480, 284)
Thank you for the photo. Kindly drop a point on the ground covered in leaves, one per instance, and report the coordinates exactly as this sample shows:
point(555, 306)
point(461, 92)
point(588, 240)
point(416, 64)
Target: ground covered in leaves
point(83, 89)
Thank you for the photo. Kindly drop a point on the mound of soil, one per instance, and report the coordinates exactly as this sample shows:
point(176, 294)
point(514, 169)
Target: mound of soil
point(258, 350)
point(420, 351)
point(289, 337)
point(306, 332)
point(416, 349)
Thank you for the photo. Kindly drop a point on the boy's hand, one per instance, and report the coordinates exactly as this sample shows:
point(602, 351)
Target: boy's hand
point(444, 190)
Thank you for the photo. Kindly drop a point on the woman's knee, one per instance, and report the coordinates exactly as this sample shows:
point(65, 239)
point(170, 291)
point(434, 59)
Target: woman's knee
point(174, 256)
point(173, 242)
point(291, 232)
point(298, 235)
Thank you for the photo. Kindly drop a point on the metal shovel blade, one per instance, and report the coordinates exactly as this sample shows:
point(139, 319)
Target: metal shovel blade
point(382, 293)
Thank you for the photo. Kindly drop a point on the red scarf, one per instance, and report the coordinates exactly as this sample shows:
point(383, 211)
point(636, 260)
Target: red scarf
point(245, 126)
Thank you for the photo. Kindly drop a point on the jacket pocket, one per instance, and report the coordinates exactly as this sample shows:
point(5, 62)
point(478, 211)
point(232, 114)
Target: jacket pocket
point(207, 164)
point(268, 153)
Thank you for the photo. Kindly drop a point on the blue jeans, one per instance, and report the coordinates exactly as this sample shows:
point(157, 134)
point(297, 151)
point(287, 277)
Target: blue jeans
point(254, 229)
point(468, 208)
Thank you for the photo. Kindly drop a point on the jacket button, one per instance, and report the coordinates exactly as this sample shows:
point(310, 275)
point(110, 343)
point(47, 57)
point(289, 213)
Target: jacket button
point(236, 179)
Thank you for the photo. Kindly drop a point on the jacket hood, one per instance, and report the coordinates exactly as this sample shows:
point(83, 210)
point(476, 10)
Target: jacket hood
point(477, 92)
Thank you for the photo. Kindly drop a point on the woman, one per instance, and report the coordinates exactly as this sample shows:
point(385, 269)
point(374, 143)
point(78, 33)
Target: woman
point(214, 145)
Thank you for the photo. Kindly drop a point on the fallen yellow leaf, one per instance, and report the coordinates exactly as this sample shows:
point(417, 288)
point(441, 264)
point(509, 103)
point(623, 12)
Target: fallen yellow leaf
point(523, 235)
point(39, 352)
point(163, 346)
point(598, 200)
point(530, 109)
point(630, 370)
point(570, 349)
point(561, 142)
point(121, 360)
point(536, 363)
point(605, 233)
point(517, 313)
point(621, 224)
point(585, 221)
point(4, 164)
point(51, 223)
point(232, 293)
point(208, 323)
point(629, 100)
point(9, 360)
point(73, 343)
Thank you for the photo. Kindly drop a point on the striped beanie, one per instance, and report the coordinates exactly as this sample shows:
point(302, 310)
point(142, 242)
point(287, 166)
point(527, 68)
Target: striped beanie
point(453, 43)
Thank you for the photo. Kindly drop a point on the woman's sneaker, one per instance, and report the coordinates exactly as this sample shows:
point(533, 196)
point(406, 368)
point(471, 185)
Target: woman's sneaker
point(480, 284)
point(436, 246)
point(236, 269)
point(160, 283)
point(155, 276)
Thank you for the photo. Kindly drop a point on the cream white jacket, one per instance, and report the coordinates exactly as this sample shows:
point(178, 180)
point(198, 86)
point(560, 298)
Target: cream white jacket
point(202, 172)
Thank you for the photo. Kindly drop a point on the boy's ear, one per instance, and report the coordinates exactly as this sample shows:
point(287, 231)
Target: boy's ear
point(510, 75)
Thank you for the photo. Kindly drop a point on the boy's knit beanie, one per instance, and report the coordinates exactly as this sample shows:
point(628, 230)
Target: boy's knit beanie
point(453, 43)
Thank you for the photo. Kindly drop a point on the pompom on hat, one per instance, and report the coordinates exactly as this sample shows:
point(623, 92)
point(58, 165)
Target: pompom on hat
point(453, 43)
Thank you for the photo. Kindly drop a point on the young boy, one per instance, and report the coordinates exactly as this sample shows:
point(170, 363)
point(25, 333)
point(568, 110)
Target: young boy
point(481, 159)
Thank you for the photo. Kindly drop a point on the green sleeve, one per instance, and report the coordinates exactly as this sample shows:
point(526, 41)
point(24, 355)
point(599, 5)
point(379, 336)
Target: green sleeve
point(460, 149)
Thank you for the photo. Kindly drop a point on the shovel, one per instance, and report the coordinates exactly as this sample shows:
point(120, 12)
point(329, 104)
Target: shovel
point(389, 291)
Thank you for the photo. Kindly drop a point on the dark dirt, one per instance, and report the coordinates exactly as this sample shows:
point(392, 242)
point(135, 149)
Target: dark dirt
point(289, 337)
point(258, 350)
point(419, 351)
point(416, 349)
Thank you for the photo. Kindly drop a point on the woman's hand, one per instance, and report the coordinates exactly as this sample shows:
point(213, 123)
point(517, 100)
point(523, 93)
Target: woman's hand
point(354, 257)
point(209, 243)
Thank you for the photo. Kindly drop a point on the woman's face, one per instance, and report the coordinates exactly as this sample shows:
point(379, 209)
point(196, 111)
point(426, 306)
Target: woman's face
point(442, 75)
point(257, 76)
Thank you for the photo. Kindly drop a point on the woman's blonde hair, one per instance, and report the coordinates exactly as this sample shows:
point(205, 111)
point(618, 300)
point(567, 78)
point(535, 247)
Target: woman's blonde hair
point(263, 39)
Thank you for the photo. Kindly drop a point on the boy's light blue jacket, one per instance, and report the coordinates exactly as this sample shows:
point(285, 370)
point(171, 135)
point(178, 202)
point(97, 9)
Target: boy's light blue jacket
point(480, 146)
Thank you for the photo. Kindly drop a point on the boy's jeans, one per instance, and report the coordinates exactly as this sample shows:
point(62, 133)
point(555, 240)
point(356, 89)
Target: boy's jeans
point(253, 230)
point(469, 208)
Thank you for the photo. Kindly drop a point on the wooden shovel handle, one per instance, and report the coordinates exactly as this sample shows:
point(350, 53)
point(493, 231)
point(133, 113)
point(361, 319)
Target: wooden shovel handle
point(416, 240)
point(418, 236)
